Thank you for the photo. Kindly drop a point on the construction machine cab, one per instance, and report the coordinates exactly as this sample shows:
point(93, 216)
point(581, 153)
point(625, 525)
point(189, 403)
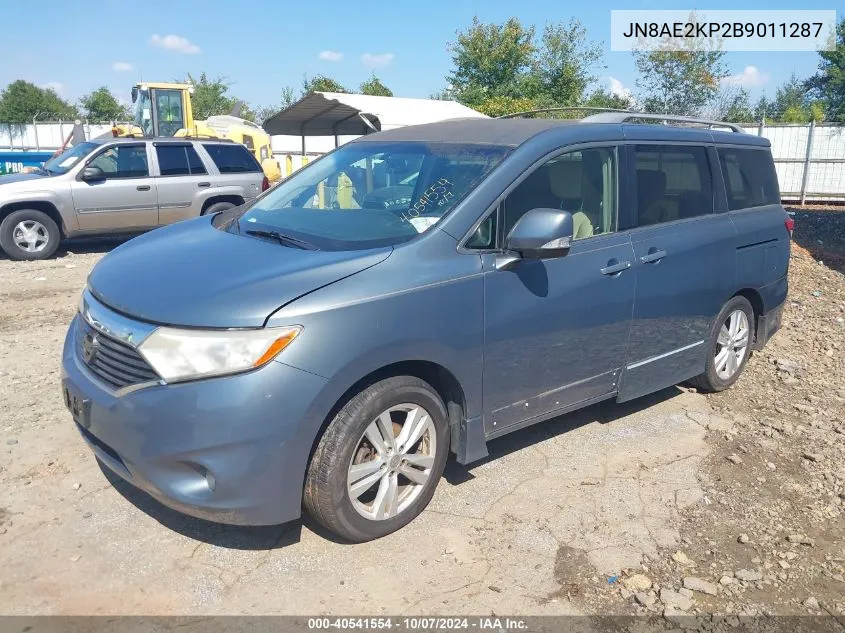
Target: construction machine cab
point(163, 109)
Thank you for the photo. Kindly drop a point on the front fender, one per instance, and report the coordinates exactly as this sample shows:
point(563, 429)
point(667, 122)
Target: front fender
point(61, 201)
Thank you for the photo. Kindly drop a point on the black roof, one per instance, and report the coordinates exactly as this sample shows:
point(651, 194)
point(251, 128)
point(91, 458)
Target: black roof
point(471, 130)
point(514, 132)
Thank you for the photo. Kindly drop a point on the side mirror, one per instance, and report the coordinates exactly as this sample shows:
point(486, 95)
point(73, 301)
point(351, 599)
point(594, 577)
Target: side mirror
point(541, 234)
point(92, 174)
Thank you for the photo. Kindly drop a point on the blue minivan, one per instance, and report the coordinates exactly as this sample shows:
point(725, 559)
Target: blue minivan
point(417, 292)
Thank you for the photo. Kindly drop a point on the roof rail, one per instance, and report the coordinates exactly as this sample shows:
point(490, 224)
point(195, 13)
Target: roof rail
point(625, 116)
point(514, 115)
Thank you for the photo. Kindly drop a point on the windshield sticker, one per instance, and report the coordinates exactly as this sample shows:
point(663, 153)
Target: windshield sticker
point(69, 161)
point(437, 195)
point(421, 224)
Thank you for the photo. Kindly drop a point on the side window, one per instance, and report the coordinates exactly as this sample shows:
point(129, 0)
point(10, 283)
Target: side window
point(172, 160)
point(673, 183)
point(194, 161)
point(582, 182)
point(178, 160)
point(750, 178)
point(232, 158)
point(123, 161)
point(250, 144)
point(484, 237)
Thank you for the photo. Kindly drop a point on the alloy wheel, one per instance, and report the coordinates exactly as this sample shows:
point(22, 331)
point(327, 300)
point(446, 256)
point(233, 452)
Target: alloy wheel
point(732, 344)
point(392, 462)
point(30, 236)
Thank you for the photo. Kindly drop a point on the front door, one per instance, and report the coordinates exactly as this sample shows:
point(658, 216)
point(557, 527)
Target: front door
point(685, 266)
point(125, 199)
point(556, 330)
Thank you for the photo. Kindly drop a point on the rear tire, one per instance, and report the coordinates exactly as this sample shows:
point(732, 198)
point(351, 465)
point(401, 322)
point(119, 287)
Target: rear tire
point(378, 463)
point(28, 234)
point(728, 347)
point(217, 207)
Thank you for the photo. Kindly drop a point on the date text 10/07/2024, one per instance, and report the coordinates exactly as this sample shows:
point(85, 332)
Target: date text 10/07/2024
point(420, 623)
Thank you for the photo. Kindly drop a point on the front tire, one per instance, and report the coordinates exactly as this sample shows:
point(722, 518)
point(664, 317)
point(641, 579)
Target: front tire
point(28, 234)
point(217, 207)
point(378, 463)
point(729, 346)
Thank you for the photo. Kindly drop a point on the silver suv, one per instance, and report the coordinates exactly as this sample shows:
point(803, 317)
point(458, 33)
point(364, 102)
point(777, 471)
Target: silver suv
point(122, 185)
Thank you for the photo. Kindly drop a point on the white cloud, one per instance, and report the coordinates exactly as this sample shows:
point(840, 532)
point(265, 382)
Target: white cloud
point(330, 56)
point(750, 77)
point(54, 86)
point(122, 67)
point(617, 88)
point(374, 61)
point(175, 43)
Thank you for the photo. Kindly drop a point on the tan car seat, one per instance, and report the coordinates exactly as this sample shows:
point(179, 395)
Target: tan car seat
point(565, 179)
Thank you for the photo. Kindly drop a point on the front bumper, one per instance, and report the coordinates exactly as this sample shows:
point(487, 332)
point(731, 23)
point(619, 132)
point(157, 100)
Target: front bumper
point(229, 449)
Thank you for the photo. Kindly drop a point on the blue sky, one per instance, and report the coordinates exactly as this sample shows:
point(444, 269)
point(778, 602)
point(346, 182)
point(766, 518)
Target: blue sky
point(262, 46)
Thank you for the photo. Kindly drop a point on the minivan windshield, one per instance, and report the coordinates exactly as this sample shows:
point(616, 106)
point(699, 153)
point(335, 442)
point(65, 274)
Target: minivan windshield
point(370, 194)
point(67, 159)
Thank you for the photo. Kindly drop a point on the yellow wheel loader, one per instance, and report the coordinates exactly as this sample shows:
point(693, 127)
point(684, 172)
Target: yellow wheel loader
point(164, 109)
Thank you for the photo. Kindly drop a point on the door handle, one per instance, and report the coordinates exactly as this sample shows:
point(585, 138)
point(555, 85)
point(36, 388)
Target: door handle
point(143, 187)
point(615, 267)
point(653, 256)
point(204, 184)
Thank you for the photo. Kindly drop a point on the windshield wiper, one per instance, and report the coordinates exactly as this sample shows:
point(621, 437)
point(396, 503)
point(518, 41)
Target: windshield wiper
point(284, 240)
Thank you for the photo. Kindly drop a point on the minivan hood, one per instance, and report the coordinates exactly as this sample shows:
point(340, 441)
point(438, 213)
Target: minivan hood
point(192, 274)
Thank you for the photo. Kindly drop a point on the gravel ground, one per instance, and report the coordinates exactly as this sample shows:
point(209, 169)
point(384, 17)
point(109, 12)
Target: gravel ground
point(768, 537)
point(677, 503)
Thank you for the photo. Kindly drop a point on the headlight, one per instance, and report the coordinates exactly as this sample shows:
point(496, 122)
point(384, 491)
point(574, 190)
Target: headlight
point(184, 354)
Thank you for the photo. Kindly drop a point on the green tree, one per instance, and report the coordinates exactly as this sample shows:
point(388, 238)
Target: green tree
point(603, 98)
point(789, 101)
point(492, 60)
point(738, 108)
point(500, 64)
point(287, 97)
point(564, 63)
point(21, 101)
point(683, 81)
point(211, 96)
point(762, 109)
point(375, 88)
point(100, 105)
point(794, 104)
point(321, 83)
point(828, 84)
point(498, 106)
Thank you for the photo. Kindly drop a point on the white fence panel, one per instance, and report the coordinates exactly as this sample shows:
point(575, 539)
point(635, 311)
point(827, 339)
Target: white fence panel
point(44, 136)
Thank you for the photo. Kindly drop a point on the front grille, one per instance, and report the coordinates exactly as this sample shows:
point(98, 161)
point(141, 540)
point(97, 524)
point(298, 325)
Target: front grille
point(114, 362)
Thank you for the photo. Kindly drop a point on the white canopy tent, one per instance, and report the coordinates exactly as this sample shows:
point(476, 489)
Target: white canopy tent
point(328, 119)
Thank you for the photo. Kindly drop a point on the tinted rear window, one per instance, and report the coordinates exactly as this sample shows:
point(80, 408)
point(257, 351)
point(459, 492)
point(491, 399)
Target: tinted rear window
point(673, 183)
point(232, 159)
point(750, 178)
point(178, 160)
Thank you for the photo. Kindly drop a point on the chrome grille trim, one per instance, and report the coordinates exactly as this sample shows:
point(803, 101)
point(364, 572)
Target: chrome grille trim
point(115, 362)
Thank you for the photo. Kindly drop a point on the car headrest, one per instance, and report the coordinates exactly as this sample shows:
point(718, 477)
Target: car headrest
point(565, 178)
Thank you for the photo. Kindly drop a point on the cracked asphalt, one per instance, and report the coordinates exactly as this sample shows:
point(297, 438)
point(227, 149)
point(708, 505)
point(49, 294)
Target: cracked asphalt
point(567, 502)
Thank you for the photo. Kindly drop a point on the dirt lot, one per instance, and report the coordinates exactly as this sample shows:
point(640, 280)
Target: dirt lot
point(678, 502)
